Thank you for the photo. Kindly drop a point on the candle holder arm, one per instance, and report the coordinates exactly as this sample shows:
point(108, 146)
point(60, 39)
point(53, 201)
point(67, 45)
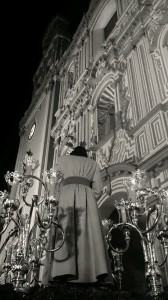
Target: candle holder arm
point(149, 229)
point(11, 234)
point(126, 227)
point(127, 239)
point(26, 186)
point(5, 226)
point(164, 261)
point(61, 243)
point(43, 224)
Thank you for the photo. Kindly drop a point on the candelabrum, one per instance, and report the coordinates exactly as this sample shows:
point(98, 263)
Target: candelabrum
point(152, 204)
point(26, 235)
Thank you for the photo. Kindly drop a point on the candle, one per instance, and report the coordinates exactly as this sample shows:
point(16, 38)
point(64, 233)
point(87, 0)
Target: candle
point(123, 214)
point(9, 254)
point(13, 254)
point(132, 194)
point(14, 184)
point(36, 250)
point(130, 185)
point(51, 181)
point(52, 186)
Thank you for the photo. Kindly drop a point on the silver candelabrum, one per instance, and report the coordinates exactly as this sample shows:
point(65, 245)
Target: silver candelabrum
point(25, 237)
point(152, 204)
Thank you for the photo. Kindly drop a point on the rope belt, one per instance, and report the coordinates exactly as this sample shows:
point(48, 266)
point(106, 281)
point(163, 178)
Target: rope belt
point(77, 180)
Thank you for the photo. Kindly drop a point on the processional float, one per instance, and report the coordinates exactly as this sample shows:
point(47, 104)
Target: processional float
point(30, 234)
point(152, 205)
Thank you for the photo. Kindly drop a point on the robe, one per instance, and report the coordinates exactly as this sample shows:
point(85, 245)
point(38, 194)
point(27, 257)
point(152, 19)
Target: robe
point(83, 257)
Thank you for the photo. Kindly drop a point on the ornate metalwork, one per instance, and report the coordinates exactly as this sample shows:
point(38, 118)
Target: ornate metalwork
point(153, 205)
point(26, 242)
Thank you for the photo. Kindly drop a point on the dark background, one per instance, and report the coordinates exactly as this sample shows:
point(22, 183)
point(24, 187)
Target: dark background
point(23, 25)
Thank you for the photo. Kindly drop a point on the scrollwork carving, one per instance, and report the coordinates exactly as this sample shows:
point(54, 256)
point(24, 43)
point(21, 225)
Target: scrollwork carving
point(100, 67)
point(152, 28)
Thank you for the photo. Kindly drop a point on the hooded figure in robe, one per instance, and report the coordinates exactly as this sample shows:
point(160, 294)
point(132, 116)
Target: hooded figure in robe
point(83, 258)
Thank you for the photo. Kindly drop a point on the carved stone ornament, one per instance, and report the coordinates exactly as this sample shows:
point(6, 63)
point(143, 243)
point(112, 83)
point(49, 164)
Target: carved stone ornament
point(100, 67)
point(117, 31)
point(69, 96)
point(157, 19)
point(88, 72)
point(104, 154)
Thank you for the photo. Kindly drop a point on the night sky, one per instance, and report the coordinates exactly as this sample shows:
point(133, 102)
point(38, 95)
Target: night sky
point(23, 24)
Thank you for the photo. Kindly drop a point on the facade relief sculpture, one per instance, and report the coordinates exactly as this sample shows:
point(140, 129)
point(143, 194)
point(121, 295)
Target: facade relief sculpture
point(124, 117)
point(69, 96)
point(124, 148)
point(100, 67)
point(117, 150)
point(126, 104)
point(93, 133)
point(70, 79)
point(159, 19)
point(103, 155)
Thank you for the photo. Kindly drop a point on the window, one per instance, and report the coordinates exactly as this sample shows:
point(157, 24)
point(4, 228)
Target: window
point(110, 119)
point(70, 80)
point(71, 76)
point(32, 131)
point(103, 25)
point(106, 121)
point(106, 111)
point(110, 25)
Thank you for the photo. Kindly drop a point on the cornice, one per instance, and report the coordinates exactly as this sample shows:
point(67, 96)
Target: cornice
point(152, 162)
point(157, 108)
point(116, 170)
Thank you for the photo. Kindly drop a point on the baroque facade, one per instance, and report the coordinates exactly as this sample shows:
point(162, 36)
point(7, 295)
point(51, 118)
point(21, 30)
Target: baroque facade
point(108, 88)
